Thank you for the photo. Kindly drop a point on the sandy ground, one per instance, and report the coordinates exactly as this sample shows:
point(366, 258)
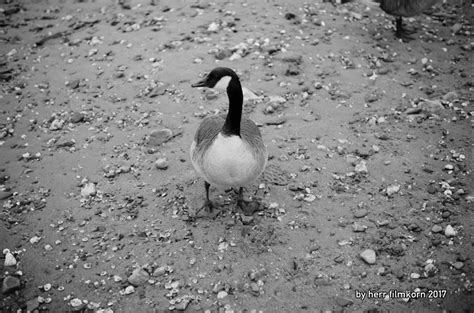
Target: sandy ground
point(367, 199)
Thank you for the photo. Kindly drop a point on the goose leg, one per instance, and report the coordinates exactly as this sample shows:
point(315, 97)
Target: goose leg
point(400, 32)
point(208, 206)
point(247, 207)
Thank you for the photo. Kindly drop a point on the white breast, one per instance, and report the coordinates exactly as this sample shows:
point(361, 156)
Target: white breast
point(229, 162)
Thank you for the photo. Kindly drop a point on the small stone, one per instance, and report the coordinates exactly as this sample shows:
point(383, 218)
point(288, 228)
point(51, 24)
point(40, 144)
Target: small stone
point(343, 301)
point(221, 294)
point(5, 195)
point(88, 190)
point(76, 302)
point(361, 168)
point(449, 231)
point(368, 256)
point(35, 239)
point(392, 189)
point(160, 271)
point(357, 228)
point(415, 275)
point(436, 229)
point(32, 304)
point(10, 284)
point(77, 117)
point(247, 220)
point(129, 290)
point(158, 137)
point(254, 287)
point(458, 265)
point(182, 305)
point(359, 213)
point(138, 277)
point(9, 259)
point(161, 164)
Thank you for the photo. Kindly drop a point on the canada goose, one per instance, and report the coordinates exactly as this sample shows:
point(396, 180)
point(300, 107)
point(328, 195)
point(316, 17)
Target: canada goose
point(400, 9)
point(405, 8)
point(227, 153)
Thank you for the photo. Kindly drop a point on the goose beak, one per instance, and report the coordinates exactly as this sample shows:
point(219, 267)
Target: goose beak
point(201, 83)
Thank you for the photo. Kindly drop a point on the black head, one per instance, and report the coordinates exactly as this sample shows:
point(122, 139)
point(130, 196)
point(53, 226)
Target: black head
point(217, 78)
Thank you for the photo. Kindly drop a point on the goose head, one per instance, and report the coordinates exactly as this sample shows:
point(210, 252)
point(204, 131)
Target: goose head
point(218, 78)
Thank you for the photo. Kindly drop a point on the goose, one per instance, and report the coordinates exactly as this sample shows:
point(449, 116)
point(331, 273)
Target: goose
point(405, 8)
point(227, 153)
point(400, 9)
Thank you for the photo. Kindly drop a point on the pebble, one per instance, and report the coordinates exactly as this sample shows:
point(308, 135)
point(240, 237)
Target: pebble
point(35, 239)
point(138, 277)
point(368, 256)
point(77, 117)
point(357, 228)
point(449, 231)
point(392, 189)
point(32, 304)
point(88, 190)
point(247, 220)
point(161, 164)
point(436, 229)
point(359, 213)
point(343, 301)
point(415, 275)
point(160, 271)
point(76, 302)
point(10, 283)
point(458, 265)
point(361, 167)
point(158, 137)
point(129, 290)
point(9, 259)
point(221, 294)
point(5, 195)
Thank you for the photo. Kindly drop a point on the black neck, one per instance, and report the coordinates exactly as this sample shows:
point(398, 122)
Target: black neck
point(232, 122)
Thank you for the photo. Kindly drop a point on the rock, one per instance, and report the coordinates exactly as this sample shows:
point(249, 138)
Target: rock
point(221, 294)
point(77, 117)
point(343, 301)
point(129, 290)
point(88, 190)
point(436, 229)
point(5, 195)
point(161, 164)
point(139, 277)
point(32, 304)
point(368, 256)
point(247, 220)
point(361, 168)
point(458, 265)
point(392, 189)
point(76, 303)
point(158, 137)
point(181, 306)
point(10, 284)
point(160, 271)
point(9, 259)
point(357, 228)
point(449, 231)
point(359, 213)
point(415, 275)
point(456, 28)
point(451, 96)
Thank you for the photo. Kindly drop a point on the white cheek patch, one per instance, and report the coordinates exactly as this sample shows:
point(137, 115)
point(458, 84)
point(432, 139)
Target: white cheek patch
point(223, 82)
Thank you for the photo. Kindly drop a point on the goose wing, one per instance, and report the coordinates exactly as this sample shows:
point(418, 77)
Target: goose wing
point(208, 129)
point(251, 134)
